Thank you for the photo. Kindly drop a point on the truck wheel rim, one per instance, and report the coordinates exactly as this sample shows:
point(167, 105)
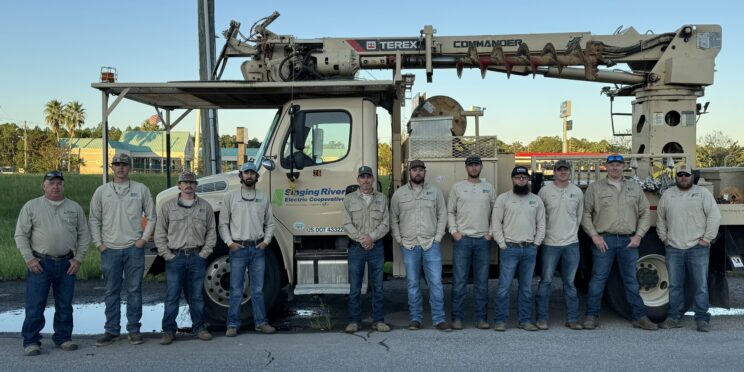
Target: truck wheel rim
point(653, 280)
point(217, 282)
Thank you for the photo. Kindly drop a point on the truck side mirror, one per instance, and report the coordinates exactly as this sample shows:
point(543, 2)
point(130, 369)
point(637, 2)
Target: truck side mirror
point(299, 160)
point(298, 129)
point(268, 164)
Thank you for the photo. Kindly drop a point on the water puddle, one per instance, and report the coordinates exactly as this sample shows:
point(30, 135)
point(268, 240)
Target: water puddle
point(90, 318)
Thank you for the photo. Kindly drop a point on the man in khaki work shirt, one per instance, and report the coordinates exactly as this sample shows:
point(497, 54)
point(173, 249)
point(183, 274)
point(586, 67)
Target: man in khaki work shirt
point(53, 238)
point(116, 212)
point(469, 210)
point(687, 222)
point(185, 235)
point(518, 227)
point(366, 220)
point(247, 227)
point(616, 217)
point(418, 217)
point(564, 208)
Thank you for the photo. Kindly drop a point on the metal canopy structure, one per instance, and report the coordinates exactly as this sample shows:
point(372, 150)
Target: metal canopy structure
point(189, 95)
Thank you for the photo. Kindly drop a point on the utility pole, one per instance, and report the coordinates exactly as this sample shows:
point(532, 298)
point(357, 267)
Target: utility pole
point(210, 134)
point(25, 147)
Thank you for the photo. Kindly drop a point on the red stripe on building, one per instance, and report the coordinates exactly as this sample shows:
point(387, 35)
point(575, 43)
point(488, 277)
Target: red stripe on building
point(355, 45)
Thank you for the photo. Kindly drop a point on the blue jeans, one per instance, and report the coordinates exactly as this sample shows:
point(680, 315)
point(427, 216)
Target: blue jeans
point(520, 261)
point(37, 290)
point(253, 259)
point(617, 247)
point(431, 260)
point(129, 263)
point(569, 257)
point(375, 260)
point(475, 251)
point(184, 272)
point(692, 263)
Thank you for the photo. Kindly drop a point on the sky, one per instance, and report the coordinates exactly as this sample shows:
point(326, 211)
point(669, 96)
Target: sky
point(55, 50)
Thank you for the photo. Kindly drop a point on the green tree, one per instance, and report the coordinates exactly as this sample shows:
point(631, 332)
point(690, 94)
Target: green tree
point(384, 159)
point(73, 115)
point(716, 150)
point(228, 141)
point(10, 135)
point(54, 115)
point(253, 143)
point(545, 144)
point(149, 126)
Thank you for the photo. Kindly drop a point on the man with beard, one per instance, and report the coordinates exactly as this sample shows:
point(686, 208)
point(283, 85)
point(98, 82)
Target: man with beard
point(616, 216)
point(564, 206)
point(185, 236)
point(418, 217)
point(518, 226)
point(53, 238)
point(469, 210)
point(687, 221)
point(366, 220)
point(247, 227)
point(116, 211)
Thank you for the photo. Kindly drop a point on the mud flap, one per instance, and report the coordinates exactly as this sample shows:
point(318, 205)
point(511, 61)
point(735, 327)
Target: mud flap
point(718, 291)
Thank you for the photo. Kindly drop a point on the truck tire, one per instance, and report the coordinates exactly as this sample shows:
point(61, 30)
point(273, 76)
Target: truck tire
point(217, 287)
point(653, 279)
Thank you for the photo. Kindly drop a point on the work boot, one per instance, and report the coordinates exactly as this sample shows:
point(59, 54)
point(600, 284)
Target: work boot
point(499, 327)
point(645, 323)
point(542, 325)
point(381, 327)
point(32, 350)
point(528, 326)
point(444, 327)
point(351, 327)
point(68, 346)
point(483, 325)
point(703, 326)
point(670, 323)
point(574, 325)
point(204, 335)
point(167, 338)
point(590, 322)
point(414, 325)
point(231, 332)
point(457, 324)
point(266, 329)
point(107, 339)
point(135, 338)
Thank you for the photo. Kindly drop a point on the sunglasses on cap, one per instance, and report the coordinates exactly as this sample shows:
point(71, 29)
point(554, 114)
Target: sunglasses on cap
point(683, 174)
point(612, 158)
point(53, 174)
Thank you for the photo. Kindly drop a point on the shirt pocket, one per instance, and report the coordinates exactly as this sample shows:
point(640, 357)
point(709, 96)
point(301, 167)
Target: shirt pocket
point(200, 222)
point(357, 212)
point(176, 220)
point(69, 220)
point(606, 199)
point(133, 208)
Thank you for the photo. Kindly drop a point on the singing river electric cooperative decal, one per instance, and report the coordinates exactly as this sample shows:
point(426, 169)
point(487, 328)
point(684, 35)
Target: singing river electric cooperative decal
point(308, 197)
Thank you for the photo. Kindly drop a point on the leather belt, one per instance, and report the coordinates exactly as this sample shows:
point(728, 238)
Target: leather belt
point(249, 243)
point(68, 256)
point(618, 235)
point(520, 244)
point(189, 251)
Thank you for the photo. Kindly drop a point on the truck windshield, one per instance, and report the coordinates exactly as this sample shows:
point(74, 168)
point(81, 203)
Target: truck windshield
point(267, 138)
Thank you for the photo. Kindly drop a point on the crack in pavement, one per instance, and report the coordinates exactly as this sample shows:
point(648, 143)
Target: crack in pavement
point(383, 344)
point(268, 356)
point(360, 336)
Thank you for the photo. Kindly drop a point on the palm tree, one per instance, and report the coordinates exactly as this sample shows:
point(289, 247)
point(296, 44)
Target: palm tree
point(73, 115)
point(53, 116)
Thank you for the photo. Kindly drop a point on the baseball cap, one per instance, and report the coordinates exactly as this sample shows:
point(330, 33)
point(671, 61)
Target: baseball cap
point(52, 175)
point(187, 176)
point(562, 163)
point(473, 159)
point(121, 158)
point(249, 166)
point(684, 169)
point(365, 170)
point(416, 163)
point(520, 170)
point(615, 158)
